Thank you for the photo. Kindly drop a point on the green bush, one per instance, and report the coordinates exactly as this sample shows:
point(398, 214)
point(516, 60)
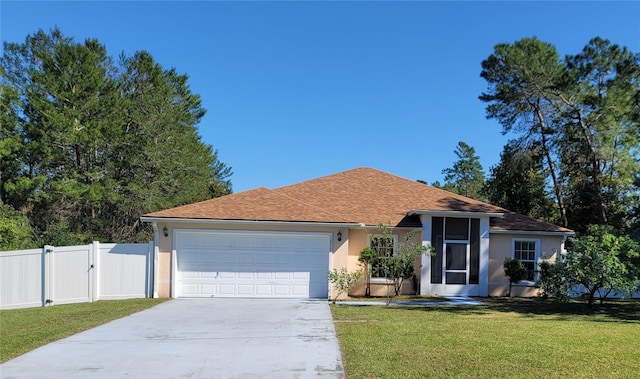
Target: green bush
point(515, 271)
point(343, 280)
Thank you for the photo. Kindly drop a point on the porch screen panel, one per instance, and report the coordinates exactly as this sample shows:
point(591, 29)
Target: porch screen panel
point(456, 256)
point(456, 228)
point(436, 241)
point(456, 277)
point(474, 252)
point(456, 263)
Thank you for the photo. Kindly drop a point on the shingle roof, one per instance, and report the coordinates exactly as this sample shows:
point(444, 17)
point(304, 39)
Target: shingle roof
point(257, 204)
point(515, 221)
point(361, 195)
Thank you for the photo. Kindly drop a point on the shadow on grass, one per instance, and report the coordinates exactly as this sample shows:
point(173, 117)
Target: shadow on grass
point(610, 311)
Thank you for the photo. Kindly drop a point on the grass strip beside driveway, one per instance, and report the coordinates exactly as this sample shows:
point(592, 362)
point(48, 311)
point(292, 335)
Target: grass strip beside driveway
point(502, 339)
point(22, 330)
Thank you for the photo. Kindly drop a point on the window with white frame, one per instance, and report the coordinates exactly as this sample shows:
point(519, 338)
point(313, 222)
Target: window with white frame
point(527, 252)
point(385, 246)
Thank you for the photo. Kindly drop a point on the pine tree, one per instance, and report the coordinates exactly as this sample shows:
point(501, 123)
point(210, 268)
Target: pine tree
point(465, 177)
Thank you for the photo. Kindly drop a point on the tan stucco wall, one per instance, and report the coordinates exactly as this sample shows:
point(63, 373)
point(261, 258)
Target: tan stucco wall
point(500, 247)
point(339, 257)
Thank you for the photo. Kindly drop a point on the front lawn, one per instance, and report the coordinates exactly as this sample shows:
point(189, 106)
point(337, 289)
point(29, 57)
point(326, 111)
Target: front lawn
point(22, 330)
point(399, 299)
point(503, 339)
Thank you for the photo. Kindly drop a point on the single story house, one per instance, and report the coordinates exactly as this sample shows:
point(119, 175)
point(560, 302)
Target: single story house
point(282, 242)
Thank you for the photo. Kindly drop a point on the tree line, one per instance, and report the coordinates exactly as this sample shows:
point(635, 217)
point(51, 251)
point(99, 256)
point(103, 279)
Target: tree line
point(90, 142)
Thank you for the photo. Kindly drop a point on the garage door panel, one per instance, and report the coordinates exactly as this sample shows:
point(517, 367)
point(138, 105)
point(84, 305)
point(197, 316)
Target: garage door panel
point(189, 275)
point(316, 261)
point(223, 289)
point(282, 290)
point(282, 275)
point(264, 264)
point(244, 243)
point(208, 289)
point(242, 290)
point(225, 255)
point(300, 275)
point(246, 259)
point(299, 290)
point(190, 289)
point(263, 290)
point(263, 275)
point(223, 275)
point(299, 260)
point(265, 258)
point(266, 243)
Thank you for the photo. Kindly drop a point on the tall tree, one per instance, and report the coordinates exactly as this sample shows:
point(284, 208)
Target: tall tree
point(160, 143)
point(598, 105)
point(521, 78)
point(66, 95)
point(465, 177)
point(583, 112)
point(10, 139)
point(518, 183)
point(100, 142)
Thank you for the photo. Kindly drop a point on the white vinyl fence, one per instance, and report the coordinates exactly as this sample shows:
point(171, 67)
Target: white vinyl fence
point(579, 290)
point(75, 274)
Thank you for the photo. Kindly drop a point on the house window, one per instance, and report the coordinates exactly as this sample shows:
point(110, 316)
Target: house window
point(385, 246)
point(526, 251)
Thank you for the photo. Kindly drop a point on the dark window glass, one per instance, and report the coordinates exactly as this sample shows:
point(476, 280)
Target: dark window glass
point(525, 252)
point(384, 246)
point(456, 278)
point(436, 242)
point(456, 256)
point(456, 228)
point(474, 252)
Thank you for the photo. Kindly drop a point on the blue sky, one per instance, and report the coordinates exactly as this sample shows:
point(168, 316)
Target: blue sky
point(297, 90)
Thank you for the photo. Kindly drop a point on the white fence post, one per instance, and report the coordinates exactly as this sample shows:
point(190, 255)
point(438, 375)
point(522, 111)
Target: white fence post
point(94, 270)
point(47, 275)
point(156, 252)
point(150, 269)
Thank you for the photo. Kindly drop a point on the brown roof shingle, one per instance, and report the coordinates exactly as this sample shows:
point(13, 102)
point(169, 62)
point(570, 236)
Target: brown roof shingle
point(257, 204)
point(361, 195)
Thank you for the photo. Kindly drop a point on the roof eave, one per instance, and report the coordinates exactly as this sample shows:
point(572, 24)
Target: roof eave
point(538, 232)
point(440, 213)
point(249, 222)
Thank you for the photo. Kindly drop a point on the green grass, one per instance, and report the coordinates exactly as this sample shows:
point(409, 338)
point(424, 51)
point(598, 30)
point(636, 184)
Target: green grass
point(503, 339)
point(399, 298)
point(22, 330)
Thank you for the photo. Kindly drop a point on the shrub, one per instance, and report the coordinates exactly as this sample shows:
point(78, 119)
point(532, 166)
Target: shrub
point(343, 280)
point(515, 271)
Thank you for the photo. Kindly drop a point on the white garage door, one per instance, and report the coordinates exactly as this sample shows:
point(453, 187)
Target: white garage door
point(252, 264)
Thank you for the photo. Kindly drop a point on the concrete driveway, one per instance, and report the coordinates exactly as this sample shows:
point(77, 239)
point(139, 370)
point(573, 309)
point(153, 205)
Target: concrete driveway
point(197, 338)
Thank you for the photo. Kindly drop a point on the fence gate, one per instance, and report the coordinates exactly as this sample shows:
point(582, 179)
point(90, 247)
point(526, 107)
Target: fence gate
point(70, 274)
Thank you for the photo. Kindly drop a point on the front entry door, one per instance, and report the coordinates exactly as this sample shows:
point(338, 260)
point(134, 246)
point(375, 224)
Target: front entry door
point(456, 271)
